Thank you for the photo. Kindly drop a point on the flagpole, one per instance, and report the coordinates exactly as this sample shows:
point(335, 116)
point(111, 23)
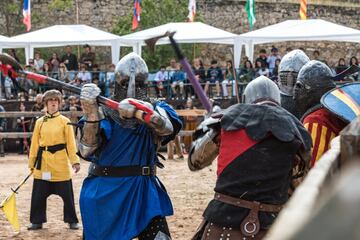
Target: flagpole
point(77, 22)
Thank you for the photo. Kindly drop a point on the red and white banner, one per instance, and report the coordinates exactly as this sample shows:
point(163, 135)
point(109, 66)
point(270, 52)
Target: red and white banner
point(27, 15)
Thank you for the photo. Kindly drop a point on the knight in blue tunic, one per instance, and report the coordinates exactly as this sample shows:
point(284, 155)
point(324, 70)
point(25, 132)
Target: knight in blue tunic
point(122, 198)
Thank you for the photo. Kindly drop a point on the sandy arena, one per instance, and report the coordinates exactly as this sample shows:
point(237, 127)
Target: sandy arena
point(189, 191)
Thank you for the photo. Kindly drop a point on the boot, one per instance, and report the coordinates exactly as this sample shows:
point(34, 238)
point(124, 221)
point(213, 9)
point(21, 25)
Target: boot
point(35, 226)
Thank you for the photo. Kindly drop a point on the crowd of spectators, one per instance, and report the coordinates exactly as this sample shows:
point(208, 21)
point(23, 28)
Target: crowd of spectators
point(219, 80)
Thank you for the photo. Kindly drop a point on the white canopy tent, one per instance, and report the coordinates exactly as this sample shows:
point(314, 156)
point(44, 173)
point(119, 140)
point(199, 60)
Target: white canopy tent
point(186, 32)
point(62, 35)
point(298, 30)
point(4, 42)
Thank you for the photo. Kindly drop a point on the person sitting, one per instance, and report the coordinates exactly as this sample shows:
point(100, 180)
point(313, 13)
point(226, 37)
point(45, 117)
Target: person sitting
point(178, 79)
point(214, 76)
point(160, 77)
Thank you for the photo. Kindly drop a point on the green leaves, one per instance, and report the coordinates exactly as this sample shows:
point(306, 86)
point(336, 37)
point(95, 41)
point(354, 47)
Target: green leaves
point(60, 5)
point(155, 13)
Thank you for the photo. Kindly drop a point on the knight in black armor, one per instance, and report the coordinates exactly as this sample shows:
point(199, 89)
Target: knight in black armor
point(313, 81)
point(260, 148)
point(289, 68)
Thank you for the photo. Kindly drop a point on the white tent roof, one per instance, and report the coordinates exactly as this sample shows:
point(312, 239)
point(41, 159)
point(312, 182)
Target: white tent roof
point(4, 42)
point(61, 35)
point(186, 32)
point(3, 39)
point(299, 30)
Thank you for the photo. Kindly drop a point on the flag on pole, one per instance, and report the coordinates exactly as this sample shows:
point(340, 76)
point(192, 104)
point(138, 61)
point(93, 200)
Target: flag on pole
point(9, 208)
point(27, 14)
point(250, 9)
point(192, 10)
point(136, 18)
point(303, 9)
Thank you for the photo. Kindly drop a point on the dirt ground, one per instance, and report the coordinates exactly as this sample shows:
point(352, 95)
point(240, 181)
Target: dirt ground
point(190, 192)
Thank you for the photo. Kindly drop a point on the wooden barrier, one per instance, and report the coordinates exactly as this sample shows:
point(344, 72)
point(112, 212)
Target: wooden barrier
point(299, 210)
point(71, 114)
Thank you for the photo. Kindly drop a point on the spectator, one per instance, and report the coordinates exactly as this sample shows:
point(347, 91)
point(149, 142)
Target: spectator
point(178, 79)
point(110, 80)
point(88, 57)
point(199, 72)
point(159, 79)
point(37, 107)
point(247, 73)
point(243, 61)
point(272, 59)
point(341, 66)
point(316, 55)
point(83, 75)
point(228, 79)
point(354, 61)
point(72, 106)
point(38, 62)
point(214, 76)
point(8, 85)
point(22, 125)
point(46, 69)
point(54, 64)
point(63, 73)
point(2, 129)
point(261, 69)
point(70, 60)
point(275, 73)
point(262, 58)
point(170, 70)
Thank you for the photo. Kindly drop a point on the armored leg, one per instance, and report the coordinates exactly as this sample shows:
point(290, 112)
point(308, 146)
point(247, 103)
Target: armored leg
point(156, 230)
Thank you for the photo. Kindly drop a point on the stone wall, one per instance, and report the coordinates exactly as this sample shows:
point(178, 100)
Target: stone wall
point(229, 15)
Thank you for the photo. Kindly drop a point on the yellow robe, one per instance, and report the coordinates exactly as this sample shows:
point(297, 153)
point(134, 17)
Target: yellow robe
point(52, 130)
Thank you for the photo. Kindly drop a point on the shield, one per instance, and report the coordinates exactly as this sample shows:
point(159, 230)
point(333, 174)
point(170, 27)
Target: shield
point(343, 101)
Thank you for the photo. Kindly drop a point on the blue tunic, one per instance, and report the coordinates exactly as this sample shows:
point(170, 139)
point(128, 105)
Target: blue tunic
point(120, 208)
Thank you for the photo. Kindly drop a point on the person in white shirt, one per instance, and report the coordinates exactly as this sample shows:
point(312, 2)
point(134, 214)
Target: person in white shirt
point(38, 62)
point(83, 75)
point(160, 77)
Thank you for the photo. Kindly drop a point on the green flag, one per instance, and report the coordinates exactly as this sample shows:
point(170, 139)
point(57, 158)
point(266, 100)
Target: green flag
point(250, 9)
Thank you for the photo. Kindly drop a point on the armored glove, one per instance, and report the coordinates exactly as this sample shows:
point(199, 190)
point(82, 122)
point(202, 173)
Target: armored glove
point(156, 119)
point(129, 106)
point(89, 93)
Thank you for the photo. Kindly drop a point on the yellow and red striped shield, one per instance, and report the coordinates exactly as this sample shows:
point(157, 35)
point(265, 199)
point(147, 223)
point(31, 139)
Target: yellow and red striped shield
point(344, 101)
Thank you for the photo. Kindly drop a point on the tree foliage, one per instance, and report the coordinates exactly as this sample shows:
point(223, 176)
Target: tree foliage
point(155, 13)
point(61, 5)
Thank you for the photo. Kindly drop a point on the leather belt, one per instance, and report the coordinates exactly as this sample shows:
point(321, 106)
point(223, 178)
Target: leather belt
point(53, 149)
point(247, 204)
point(123, 171)
point(250, 226)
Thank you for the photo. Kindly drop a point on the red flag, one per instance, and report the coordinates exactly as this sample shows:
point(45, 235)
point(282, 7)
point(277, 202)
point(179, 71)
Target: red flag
point(136, 18)
point(27, 15)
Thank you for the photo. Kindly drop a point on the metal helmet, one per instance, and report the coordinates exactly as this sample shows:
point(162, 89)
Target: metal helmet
point(289, 68)
point(131, 75)
point(261, 89)
point(314, 79)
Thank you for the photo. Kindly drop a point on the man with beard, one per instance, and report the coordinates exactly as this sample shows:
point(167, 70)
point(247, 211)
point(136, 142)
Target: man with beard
point(122, 198)
point(261, 148)
point(289, 68)
point(313, 81)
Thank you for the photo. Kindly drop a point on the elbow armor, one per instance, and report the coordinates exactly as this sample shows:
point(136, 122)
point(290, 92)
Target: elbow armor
point(162, 126)
point(203, 151)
